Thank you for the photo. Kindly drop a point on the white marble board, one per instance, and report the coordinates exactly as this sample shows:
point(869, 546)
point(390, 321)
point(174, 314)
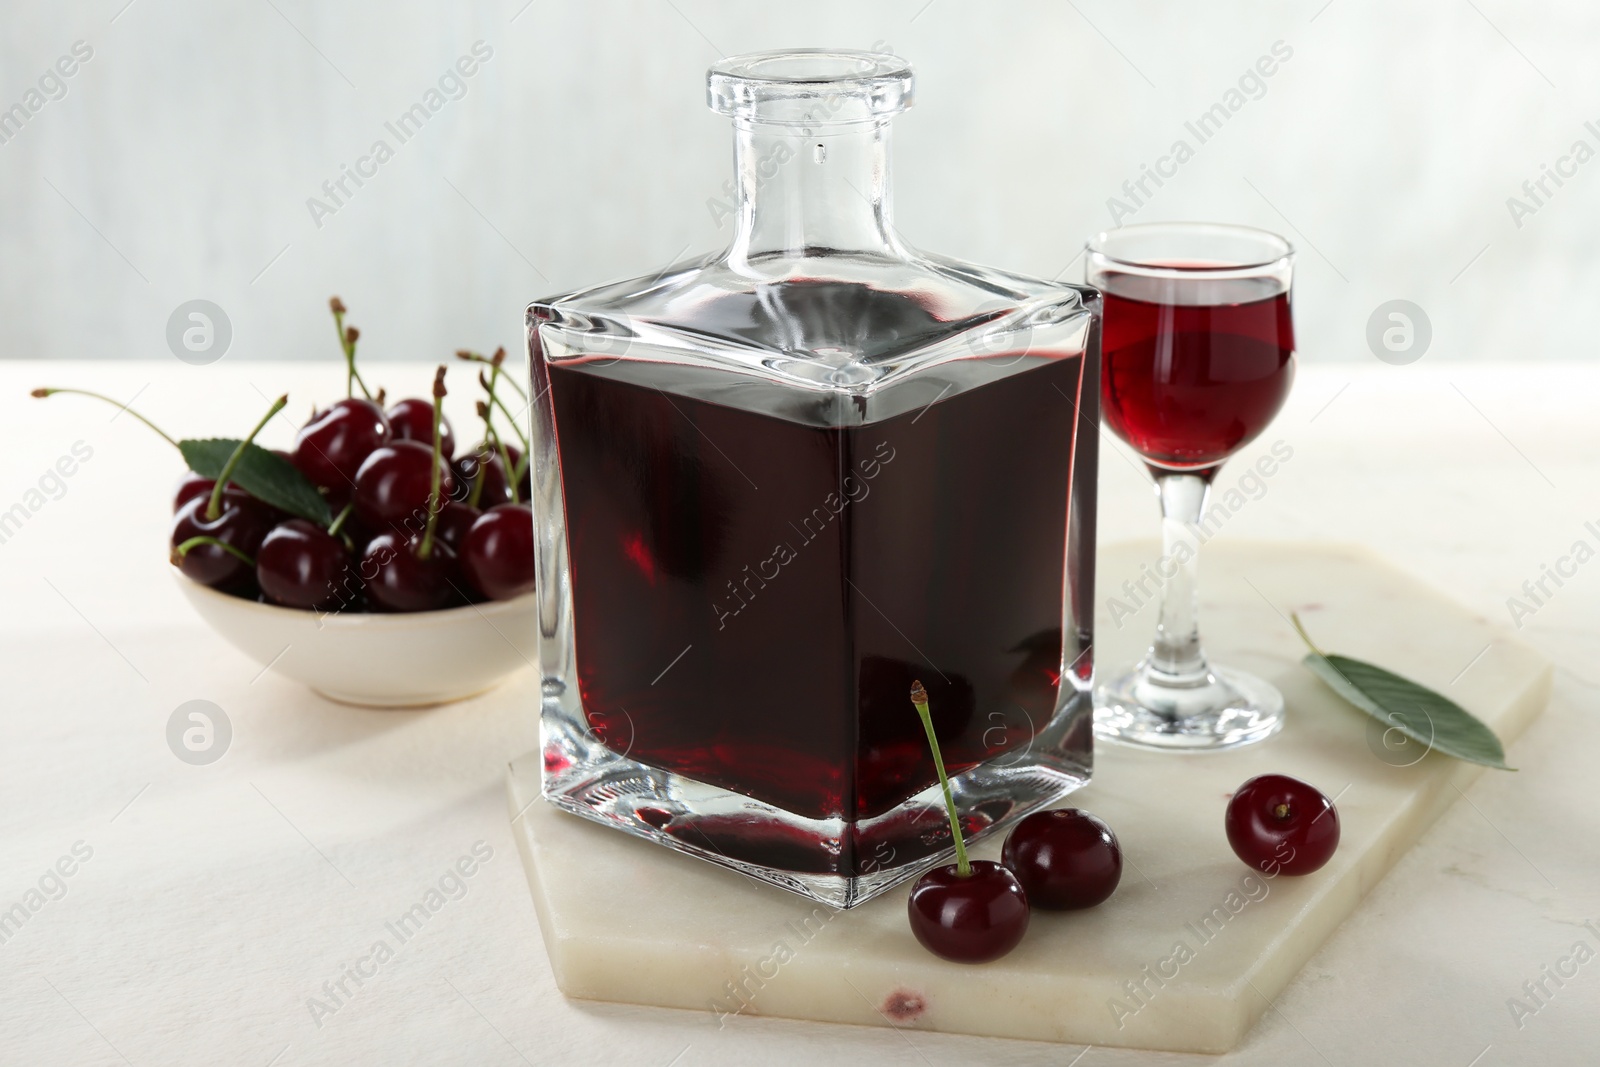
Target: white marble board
point(627, 921)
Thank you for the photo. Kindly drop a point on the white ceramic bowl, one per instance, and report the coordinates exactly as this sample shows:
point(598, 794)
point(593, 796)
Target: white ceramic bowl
point(389, 661)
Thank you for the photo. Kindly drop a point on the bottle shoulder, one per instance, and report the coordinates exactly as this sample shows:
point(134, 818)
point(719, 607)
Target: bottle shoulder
point(829, 339)
point(871, 308)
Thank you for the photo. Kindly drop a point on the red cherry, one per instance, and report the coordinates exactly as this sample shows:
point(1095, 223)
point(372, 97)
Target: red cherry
point(497, 555)
point(242, 522)
point(394, 483)
point(969, 920)
point(398, 579)
point(192, 486)
point(496, 486)
point(332, 446)
point(1064, 859)
point(301, 565)
point(1280, 825)
point(412, 420)
point(455, 519)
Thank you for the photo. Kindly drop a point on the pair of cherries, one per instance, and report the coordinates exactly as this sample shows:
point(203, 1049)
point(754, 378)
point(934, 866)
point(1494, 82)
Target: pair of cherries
point(976, 911)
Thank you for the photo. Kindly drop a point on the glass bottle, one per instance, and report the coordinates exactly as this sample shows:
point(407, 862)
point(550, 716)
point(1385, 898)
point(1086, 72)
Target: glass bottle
point(778, 484)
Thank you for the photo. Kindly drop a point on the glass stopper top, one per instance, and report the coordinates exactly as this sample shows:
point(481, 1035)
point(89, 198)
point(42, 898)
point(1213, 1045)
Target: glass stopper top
point(810, 86)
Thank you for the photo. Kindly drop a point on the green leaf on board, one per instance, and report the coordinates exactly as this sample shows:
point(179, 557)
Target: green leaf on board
point(267, 477)
point(1429, 718)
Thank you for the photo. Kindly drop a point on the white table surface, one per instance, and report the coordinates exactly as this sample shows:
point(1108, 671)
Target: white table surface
point(219, 899)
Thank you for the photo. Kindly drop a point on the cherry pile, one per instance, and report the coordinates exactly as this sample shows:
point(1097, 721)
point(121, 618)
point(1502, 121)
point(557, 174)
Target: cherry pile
point(974, 911)
point(403, 523)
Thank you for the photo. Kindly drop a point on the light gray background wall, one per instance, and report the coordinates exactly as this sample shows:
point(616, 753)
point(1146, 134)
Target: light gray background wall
point(179, 161)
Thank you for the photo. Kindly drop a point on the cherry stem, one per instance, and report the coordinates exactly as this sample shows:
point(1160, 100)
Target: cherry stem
point(919, 700)
point(501, 404)
point(489, 382)
point(488, 425)
point(181, 550)
point(42, 393)
point(425, 549)
point(484, 451)
point(477, 480)
point(475, 357)
point(347, 344)
point(337, 525)
point(505, 465)
point(214, 505)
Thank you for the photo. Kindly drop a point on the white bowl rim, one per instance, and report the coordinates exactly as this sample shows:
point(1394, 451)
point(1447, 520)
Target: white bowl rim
point(388, 620)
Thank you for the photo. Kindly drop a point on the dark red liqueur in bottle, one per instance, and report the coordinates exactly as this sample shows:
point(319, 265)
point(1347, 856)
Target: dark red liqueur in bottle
point(753, 597)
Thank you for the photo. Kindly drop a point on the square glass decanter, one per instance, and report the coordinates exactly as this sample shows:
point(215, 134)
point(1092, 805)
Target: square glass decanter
point(778, 484)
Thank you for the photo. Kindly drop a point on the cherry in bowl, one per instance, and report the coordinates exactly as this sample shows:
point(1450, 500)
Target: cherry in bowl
point(301, 565)
point(411, 419)
point(497, 552)
point(219, 550)
point(484, 464)
point(410, 573)
point(394, 485)
point(332, 446)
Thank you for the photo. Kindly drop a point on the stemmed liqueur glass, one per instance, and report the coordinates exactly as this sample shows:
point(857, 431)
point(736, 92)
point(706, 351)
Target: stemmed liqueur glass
point(1198, 356)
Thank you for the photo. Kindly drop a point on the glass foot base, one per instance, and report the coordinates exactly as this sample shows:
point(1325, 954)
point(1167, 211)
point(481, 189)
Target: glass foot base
point(1226, 709)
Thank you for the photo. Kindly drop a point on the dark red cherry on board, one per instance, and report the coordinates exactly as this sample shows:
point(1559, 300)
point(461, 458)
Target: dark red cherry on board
point(301, 565)
point(1281, 825)
point(969, 911)
point(969, 919)
point(394, 484)
point(497, 555)
point(332, 446)
point(412, 420)
point(399, 578)
point(242, 522)
point(1064, 859)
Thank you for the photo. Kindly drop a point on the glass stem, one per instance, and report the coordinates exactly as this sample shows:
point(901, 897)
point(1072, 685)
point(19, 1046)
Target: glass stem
point(1175, 656)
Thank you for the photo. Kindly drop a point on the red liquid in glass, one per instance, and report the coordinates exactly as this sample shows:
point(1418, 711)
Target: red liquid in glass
point(738, 623)
point(1187, 386)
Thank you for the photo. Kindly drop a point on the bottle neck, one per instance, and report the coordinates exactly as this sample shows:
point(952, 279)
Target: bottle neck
point(805, 190)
